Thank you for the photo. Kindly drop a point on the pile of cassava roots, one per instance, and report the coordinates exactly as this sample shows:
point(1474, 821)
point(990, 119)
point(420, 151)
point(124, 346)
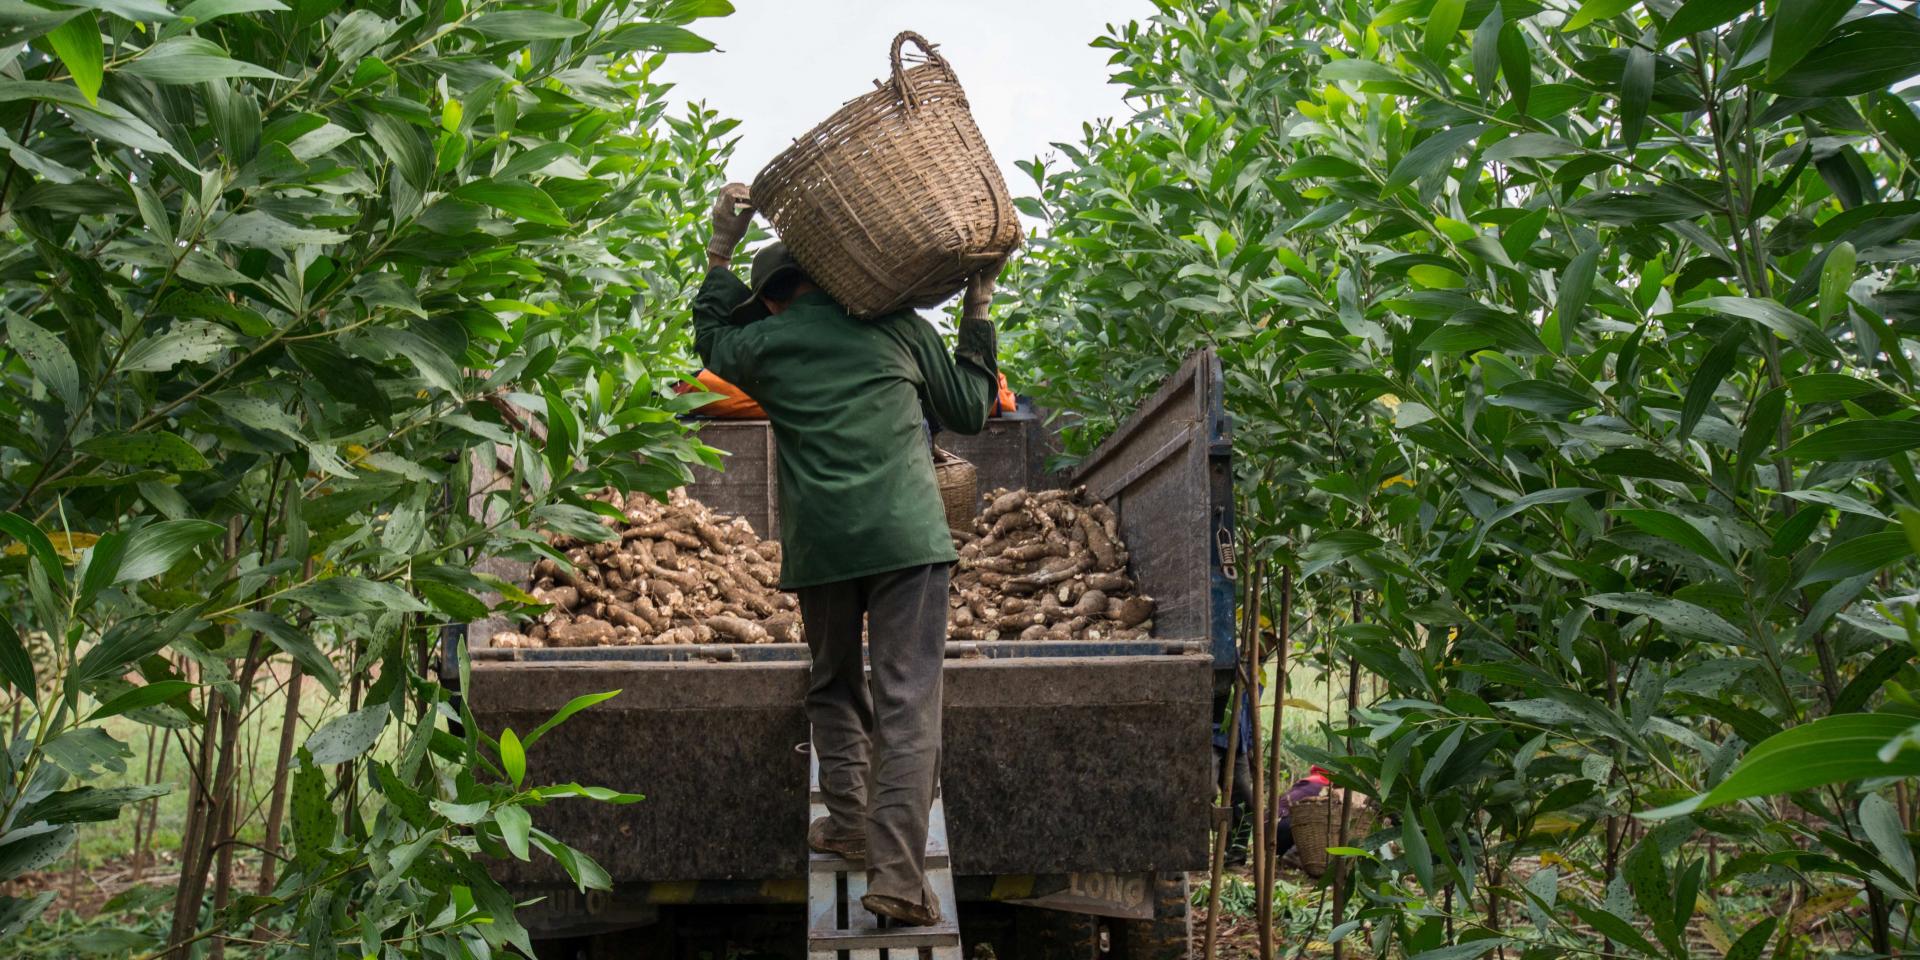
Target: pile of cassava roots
point(1047, 565)
point(676, 573)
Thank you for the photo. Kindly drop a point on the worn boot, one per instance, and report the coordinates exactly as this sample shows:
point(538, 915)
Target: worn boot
point(822, 839)
point(901, 911)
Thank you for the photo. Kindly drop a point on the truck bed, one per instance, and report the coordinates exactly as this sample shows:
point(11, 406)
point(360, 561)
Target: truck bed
point(1058, 757)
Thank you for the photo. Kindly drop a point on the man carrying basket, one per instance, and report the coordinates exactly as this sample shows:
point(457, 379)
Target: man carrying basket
point(862, 528)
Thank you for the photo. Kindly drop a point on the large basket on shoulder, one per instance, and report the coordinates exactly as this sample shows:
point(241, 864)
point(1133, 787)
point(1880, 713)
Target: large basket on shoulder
point(1316, 826)
point(894, 200)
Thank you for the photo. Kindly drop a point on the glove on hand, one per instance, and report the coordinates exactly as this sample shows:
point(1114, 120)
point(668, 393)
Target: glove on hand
point(979, 293)
point(732, 213)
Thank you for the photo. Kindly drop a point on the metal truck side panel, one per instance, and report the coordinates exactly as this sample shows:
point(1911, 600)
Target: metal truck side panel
point(1081, 764)
point(709, 745)
point(1167, 472)
point(1050, 765)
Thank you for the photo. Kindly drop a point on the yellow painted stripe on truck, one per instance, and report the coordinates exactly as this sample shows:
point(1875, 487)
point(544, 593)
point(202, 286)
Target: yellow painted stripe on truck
point(677, 891)
point(785, 891)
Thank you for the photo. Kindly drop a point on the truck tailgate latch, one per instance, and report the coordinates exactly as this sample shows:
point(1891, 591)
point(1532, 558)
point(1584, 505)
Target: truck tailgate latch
point(1223, 542)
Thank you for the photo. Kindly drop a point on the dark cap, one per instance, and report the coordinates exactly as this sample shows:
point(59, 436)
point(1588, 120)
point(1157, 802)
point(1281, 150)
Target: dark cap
point(769, 262)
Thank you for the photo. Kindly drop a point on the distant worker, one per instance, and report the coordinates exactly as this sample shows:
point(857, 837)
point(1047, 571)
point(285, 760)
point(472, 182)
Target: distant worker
point(862, 529)
point(1312, 785)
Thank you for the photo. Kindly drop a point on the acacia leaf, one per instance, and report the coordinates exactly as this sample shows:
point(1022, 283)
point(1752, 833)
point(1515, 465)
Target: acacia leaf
point(1833, 749)
point(1866, 55)
point(1678, 616)
point(77, 44)
point(156, 547)
point(1431, 155)
point(346, 737)
point(560, 716)
point(1858, 440)
point(527, 25)
point(1798, 27)
point(47, 357)
point(1863, 554)
point(1592, 10)
point(1695, 16)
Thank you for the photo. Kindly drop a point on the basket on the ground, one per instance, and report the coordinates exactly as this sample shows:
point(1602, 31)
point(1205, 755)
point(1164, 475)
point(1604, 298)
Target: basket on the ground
point(1316, 826)
point(894, 200)
point(959, 488)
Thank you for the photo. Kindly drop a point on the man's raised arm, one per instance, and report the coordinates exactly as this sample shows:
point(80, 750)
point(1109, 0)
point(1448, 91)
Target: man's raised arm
point(961, 389)
point(715, 337)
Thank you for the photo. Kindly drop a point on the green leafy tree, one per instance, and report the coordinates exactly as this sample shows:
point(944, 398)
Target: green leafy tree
point(1569, 349)
point(284, 288)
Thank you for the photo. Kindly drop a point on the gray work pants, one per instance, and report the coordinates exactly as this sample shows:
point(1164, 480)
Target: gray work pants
point(878, 739)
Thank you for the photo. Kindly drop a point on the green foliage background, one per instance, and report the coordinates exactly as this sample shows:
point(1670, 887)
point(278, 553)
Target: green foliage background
point(276, 280)
point(1569, 350)
point(1568, 347)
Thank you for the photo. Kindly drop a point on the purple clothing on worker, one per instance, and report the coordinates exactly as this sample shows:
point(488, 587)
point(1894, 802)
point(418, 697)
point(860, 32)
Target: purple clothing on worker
point(1307, 786)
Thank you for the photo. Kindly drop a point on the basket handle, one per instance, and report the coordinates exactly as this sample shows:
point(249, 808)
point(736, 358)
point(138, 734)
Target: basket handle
point(901, 84)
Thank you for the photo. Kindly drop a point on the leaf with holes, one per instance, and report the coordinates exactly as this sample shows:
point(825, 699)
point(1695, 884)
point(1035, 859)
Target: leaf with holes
point(312, 815)
point(145, 448)
point(28, 848)
point(346, 737)
point(1678, 616)
point(47, 357)
point(88, 752)
point(190, 341)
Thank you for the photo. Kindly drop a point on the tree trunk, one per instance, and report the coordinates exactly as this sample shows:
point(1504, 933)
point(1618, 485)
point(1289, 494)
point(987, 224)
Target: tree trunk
point(277, 800)
point(186, 901)
point(1250, 657)
point(189, 890)
point(217, 822)
point(223, 873)
point(1223, 825)
point(1339, 865)
point(1274, 779)
point(150, 769)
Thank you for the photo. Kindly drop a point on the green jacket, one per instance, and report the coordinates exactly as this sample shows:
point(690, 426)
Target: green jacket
point(846, 397)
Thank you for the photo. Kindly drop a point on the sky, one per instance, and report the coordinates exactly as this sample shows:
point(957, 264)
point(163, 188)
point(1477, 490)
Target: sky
point(784, 65)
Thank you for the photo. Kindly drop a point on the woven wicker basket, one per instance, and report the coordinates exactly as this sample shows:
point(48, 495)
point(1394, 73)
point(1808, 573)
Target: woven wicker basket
point(959, 488)
point(1316, 824)
point(894, 200)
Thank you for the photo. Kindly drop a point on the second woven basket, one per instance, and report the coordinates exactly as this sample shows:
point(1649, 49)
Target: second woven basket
point(959, 488)
point(894, 200)
point(1316, 826)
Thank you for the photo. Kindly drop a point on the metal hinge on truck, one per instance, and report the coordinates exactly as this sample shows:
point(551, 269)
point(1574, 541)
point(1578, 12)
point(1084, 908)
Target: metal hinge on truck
point(1223, 543)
